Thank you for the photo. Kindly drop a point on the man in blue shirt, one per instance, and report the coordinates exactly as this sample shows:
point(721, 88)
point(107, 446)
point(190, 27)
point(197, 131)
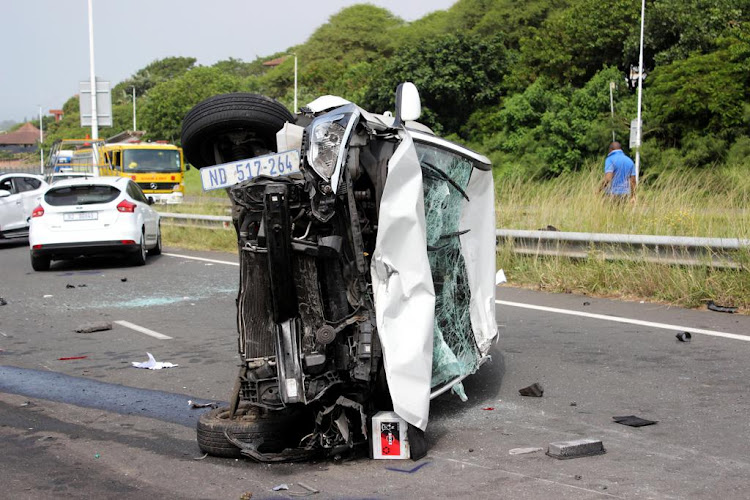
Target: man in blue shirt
point(619, 173)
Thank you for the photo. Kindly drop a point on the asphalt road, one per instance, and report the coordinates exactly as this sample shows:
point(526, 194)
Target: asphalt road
point(98, 427)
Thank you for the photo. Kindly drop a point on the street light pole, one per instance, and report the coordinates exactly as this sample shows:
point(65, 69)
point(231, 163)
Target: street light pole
point(612, 109)
point(638, 132)
point(41, 141)
point(134, 128)
point(94, 112)
point(295, 82)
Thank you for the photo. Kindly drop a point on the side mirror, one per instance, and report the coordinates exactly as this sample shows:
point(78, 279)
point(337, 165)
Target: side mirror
point(4, 193)
point(408, 104)
point(150, 200)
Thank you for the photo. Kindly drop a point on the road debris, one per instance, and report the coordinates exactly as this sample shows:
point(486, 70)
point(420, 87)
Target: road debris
point(3, 302)
point(573, 403)
point(47, 296)
point(280, 487)
point(72, 357)
point(193, 404)
point(152, 364)
point(534, 390)
point(96, 455)
point(633, 421)
point(722, 309)
point(69, 286)
point(123, 280)
point(408, 471)
point(247, 495)
point(201, 458)
point(684, 336)
point(500, 277)
point(489, 408)
point(524, 451)
point(586, 447)
point(94, 327)
point(587, 303)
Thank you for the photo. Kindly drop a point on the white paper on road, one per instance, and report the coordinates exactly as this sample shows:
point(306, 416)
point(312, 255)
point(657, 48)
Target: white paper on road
point(152, 364)
point(500, 277)
point(403, 289)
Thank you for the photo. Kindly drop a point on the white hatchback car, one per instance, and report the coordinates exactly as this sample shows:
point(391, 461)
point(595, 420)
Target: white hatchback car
point(19, 194)
point(99, 215)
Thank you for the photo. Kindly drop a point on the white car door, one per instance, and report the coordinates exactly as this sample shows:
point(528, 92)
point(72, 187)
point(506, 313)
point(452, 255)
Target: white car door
point(150, 217)
point(30, 189)
point(11, 207)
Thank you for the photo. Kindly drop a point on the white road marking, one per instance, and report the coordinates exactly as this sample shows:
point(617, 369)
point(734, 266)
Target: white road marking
point(202, 259)
point(137, 328)
point(639, 322)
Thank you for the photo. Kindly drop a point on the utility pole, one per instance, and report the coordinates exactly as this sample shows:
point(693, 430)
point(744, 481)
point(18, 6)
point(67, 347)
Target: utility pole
point(295, 83)
point(94, 111)
point(134, 129)
point(639, 125)
point(612, 108)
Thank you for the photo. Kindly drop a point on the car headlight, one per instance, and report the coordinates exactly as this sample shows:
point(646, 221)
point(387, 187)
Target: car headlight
point(329, 135)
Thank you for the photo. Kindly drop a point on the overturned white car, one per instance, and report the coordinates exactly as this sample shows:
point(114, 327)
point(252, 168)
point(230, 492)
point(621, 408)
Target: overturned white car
point(367, 263)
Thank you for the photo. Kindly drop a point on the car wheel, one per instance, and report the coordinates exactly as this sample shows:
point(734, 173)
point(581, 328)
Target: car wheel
point(230, 127)
point(157, 249)
point(139, 258)
point(40, 263)
point(271, 431)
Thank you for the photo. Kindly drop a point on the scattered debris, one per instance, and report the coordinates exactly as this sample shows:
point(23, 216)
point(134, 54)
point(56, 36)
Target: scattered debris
point(3, 302)
point(587, 303)
point(94, 327)
point(280, 487)
point(575, 449)
point(578, 477)
point(123, 280)
point(633, 421)
point(573, 403)
point(684, 336)
point(69, 286)
point(27, 403)
point(489, 408)
point(408, 471)
point(96, 455)
point(47, 296)
point(524, 451)
point(417, 442)
point(193, 404)
point(722, 309)
point(82, 285)
point(500, 277)
point(72, 357)
point(152, 364)
point(247, 495)
point(534, 390)
point(201, 458)
point(471, 450)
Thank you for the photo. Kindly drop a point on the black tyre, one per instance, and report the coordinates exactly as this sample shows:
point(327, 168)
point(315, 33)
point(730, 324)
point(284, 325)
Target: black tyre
point(230, 127)
point(40, 263)
point(157, 249)
point(276, 430)
point(139, 257)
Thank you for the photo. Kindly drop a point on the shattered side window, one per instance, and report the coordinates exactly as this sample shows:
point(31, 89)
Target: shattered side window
point(445, 177)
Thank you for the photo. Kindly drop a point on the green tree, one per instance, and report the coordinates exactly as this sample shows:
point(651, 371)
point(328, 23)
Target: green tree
point(146, 78)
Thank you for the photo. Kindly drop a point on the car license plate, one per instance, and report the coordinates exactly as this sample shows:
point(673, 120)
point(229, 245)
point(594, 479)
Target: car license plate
point(229, 174)
point(80, 216)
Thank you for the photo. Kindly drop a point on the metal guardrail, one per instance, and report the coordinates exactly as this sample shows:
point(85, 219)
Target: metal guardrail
point(682, 250)
point(717, 252)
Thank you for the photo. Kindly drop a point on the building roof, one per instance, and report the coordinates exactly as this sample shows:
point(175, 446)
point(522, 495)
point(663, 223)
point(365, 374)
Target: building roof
point(28, 134)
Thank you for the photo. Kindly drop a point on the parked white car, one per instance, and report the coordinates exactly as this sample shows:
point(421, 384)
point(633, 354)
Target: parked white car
point(98, 215)
point(19, 194)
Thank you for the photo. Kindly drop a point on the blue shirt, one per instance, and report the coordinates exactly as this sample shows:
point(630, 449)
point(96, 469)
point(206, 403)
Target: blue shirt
point(623, 167)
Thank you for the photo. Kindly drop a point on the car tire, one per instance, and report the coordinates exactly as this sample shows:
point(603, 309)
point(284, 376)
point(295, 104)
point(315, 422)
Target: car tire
point(157, 248)
point(40, 263)
point(139, 257)
point(275, 430)
point(251, 120)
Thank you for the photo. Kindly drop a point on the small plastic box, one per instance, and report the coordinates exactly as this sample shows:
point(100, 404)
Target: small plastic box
point(389, 438)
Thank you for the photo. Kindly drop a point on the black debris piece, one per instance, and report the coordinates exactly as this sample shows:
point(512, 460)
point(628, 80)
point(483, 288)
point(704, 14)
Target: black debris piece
point(534, 390)
point(722, 309)
point(69, 286)
point(587, 303)
point(633, 421)
point(417, 442)
point(94, 327)
point(573, 403)
point(3, 301)
point(82, 285)
point(684, 336)
point(123, 280)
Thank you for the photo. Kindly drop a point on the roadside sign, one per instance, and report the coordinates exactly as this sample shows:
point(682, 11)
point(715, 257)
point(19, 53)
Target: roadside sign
point(229, 174)
point(103, 103)
point(634, 142)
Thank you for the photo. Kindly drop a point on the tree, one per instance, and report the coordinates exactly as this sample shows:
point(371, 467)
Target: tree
point(168, 102)
point(146, 78)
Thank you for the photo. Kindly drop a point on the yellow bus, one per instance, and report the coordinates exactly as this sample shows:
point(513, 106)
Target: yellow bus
point(158, 168)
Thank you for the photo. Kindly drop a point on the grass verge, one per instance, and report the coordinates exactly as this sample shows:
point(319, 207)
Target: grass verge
point(197, 238)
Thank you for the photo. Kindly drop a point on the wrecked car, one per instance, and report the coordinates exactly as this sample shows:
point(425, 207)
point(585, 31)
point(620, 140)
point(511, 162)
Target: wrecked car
point(367, 263)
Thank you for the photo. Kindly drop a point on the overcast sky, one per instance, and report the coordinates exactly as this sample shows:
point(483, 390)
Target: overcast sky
point(45, 47)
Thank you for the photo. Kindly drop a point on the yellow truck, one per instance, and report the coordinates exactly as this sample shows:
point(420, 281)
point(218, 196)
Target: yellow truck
point(158, 168)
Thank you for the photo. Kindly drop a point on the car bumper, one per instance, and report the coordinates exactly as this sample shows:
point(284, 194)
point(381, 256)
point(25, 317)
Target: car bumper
point(86, 248)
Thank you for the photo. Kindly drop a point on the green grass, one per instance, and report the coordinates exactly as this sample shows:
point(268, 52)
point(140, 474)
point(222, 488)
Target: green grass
point(195, 238)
